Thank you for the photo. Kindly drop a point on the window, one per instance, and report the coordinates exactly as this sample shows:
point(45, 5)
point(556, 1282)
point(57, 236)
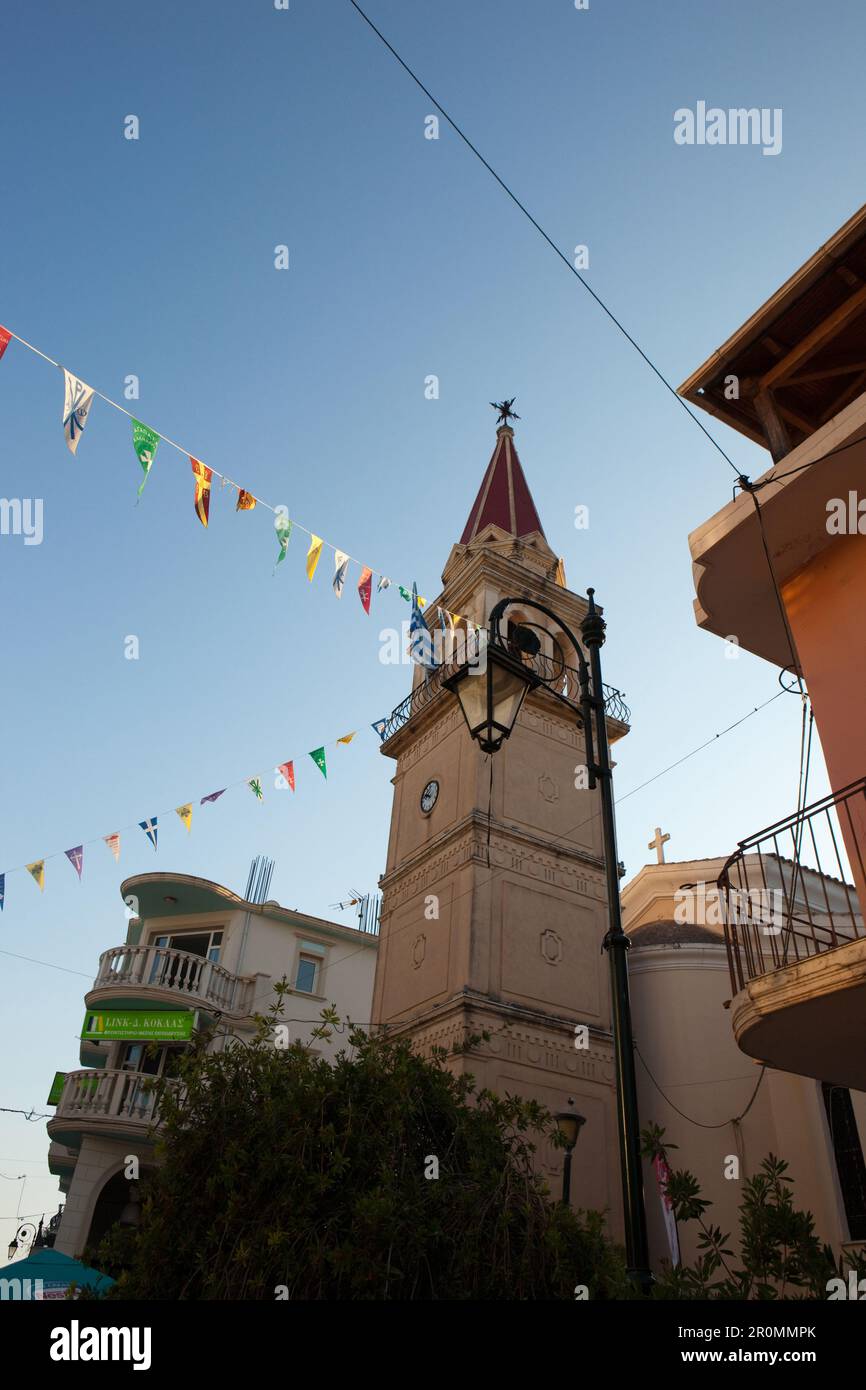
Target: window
point(308, 970)
point(849, 1156)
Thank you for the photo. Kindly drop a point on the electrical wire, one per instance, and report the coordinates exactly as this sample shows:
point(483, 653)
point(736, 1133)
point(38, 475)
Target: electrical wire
point(550, 242)
point(700, 1123)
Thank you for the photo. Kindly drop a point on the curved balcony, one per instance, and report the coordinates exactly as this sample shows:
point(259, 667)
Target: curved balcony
point(111, 1103)
point(157, 976)
point(796, 940)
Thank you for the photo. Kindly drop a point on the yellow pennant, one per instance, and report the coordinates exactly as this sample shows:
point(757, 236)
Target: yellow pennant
point(347, 738)
point(37, 869)
point(185, 813)
point(313, 554)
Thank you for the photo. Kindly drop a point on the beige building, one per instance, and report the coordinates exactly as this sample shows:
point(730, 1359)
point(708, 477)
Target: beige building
point(723, 1110)
point(195, 949)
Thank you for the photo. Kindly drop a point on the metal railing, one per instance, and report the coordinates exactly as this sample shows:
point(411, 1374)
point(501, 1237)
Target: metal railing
point(564, 680)
point(779, 902)
point(192, 978)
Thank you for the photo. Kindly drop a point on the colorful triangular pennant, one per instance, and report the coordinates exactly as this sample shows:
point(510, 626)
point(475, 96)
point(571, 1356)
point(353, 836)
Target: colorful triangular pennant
point(113, 842)
point(202, 475)
point(37, 869)
point(365, 588)
point(283, 528)
point(214, 796)
point(255, 786)
point(76, 408)
point(341, 565)
point(313, 554)
point(76, 859)
point(150, 829)
point(246, 502)
point(145, 442)
point(185, 813)
point(288, 771)
point(318, 757)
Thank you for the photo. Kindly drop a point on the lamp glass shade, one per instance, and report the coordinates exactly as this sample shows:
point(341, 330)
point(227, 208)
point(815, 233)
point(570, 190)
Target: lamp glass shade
point(569, 1124)
point(490, 698)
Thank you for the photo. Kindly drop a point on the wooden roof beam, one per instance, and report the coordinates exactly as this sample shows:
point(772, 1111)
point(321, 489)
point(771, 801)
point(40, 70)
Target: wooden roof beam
point(809, 345)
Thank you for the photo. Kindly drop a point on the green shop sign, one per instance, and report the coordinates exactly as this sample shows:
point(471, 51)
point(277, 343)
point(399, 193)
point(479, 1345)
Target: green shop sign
point(139, 1025)
point(56, 1088)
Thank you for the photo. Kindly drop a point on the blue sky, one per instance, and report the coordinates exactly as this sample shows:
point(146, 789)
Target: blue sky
point(155, 257)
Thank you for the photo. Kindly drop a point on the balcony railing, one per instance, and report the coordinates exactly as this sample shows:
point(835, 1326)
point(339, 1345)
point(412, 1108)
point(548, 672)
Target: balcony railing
point(189, 978)
point(561, 678)
point(785, 894)
point(98, 1095)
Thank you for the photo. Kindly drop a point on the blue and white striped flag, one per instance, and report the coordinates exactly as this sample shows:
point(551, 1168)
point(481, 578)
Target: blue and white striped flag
point(420, 637)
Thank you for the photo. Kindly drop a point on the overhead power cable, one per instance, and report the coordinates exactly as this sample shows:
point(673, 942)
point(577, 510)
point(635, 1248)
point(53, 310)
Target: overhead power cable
point(550, 242)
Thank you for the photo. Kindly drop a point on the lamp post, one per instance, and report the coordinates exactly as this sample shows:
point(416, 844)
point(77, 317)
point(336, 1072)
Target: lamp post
point(490, 695)
point(569, 1124)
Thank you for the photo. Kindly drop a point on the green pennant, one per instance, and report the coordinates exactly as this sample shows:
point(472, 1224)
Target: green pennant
point(404, 593)
point(144, 442)
point(318, 757)
point(283, 528)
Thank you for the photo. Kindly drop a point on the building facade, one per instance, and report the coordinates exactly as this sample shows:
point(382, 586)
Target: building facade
point(781, 570)
point(195, 954)
point(723, 1111)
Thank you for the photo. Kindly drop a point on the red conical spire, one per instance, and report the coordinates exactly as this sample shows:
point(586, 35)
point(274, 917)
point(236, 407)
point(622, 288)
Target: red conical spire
point(504, 499)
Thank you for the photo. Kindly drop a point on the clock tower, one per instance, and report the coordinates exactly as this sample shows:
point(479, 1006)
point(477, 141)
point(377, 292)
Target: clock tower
point(494, 897)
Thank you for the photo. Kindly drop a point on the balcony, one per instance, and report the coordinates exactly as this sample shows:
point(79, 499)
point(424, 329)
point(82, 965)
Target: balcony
point(112, 1104)
point(564, 680)
point(796, 942)
point(157, 976)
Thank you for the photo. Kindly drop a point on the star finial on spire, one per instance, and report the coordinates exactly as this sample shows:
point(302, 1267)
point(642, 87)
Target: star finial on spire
point(505, 411)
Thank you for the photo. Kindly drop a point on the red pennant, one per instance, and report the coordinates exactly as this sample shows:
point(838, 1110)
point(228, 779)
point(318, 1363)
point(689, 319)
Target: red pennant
point(5, 339)
point(288, 771)
point(365, 587)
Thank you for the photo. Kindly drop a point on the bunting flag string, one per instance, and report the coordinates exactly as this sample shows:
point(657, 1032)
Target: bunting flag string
point(150, 825)
point(146, 440)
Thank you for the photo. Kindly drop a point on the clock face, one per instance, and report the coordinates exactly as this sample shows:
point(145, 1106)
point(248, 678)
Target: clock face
point(429, 796)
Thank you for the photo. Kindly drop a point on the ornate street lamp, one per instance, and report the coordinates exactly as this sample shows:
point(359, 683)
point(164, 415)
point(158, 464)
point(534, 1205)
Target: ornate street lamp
point(25, 1235)
point(491, 695)
point(569, 1124)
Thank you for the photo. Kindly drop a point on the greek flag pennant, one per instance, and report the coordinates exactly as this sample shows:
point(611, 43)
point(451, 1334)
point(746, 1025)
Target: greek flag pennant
point(76, 859)
point(379, 726)
point(420, 638)
point(150, 829)
point(76, 408)
point(341, 565)
point(145, 442)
